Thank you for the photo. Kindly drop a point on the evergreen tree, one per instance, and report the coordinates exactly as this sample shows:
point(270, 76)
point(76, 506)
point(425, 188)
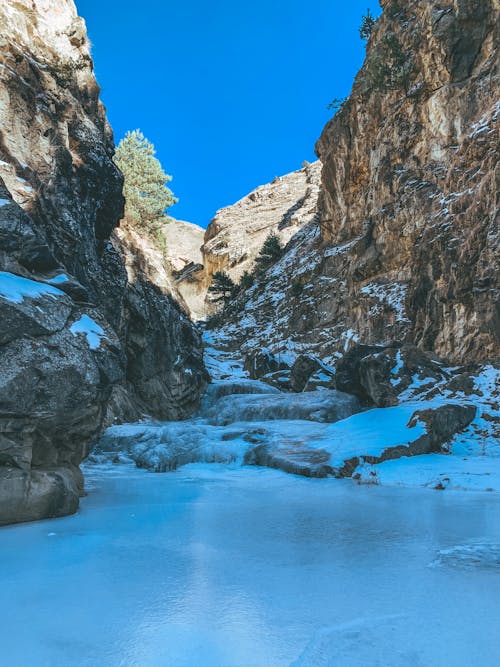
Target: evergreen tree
point(269, 254)
point(367, 25)
point(246, 281)
point(222, 287)
point(147, 196)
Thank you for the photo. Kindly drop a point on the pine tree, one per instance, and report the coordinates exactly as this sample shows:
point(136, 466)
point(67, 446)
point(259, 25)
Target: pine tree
point(367, 25)
point(222, 287)
point(147, 196)
point(269, 254)
point(246, 281)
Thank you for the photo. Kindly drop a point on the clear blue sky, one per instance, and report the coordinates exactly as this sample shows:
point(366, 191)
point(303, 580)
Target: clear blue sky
point(231, 93)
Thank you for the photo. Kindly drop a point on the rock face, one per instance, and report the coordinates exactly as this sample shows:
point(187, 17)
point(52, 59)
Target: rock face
point(409, 175)
point(236, 234)
point(406, 248)
point(184, 241)
point(80, 343)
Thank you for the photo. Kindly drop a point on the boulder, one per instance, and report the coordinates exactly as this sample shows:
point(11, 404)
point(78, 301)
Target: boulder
point(304, 366)
point(59, 364)
point(261, 362)
point(297, 460)
point(377, 375)
point(279, 379)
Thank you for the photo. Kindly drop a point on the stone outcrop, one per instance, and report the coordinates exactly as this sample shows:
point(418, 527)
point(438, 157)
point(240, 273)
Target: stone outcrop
point(235, 236)
point(185, 261)
point(406, 248)
point(101, 344)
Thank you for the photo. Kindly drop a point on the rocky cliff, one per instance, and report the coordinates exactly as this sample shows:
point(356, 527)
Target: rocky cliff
point(236, 234)
point(185, 263)
point(81, 340)
point(405, 246)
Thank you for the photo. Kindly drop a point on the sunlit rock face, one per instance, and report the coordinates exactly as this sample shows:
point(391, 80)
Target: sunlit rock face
point(410, 171)
point(61, 198)
point(407, 243)
point(235, 236)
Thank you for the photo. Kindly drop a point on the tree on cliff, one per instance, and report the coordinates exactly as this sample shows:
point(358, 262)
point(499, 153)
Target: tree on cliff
point(222, 287)
point(147, 196)
point(269, 254)
point(367, 24)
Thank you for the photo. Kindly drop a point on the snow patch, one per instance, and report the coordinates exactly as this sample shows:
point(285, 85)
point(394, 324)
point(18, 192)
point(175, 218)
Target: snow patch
point(15, 289)
point(89, 328)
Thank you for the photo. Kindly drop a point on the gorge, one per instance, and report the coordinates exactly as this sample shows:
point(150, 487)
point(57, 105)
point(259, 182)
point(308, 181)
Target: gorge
point(305, 427)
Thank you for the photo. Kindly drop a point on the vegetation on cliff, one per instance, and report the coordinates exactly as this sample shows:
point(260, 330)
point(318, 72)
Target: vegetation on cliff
point(147, 196)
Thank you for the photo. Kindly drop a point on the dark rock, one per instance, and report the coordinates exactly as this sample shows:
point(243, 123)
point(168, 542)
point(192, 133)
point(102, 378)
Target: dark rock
point(304, 366)
point(378, 375)
point(304, 461)
point(348, 370)
point(37, 494)
point(261, 362)
point(279, 379)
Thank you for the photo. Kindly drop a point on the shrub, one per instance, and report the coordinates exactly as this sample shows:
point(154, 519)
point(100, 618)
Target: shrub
point(337, 104)
point(367, 24)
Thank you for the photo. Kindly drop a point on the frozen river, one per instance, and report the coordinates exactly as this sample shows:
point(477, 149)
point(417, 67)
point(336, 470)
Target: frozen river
point(235, 566)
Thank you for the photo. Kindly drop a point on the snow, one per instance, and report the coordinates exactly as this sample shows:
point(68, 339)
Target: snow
point(392, 295)
point(15, 288)
point(228, 567)
point(90, 329)
point(58, 280)
point(370, 433)
point(397, 369)
point(436, 471)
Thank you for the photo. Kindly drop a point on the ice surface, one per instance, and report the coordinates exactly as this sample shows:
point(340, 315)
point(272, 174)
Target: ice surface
point(325, 406)
point(15, 288)
point(222, 566)
point(90, 329)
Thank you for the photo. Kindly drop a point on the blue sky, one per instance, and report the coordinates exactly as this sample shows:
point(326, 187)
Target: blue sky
point(231, 93)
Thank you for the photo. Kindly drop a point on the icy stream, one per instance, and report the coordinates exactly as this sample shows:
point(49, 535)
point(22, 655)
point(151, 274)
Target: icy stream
point(226, 566)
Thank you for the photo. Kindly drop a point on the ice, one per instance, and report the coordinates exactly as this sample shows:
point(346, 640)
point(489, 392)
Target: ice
point(325, 406)
point(15, 288)
point(222, 566)
point(219, 389)
point(90, 329)
point(470, 556)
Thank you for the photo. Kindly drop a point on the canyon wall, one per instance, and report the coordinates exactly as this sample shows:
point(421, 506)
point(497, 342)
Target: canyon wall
point(83, 338)
point(405, 244)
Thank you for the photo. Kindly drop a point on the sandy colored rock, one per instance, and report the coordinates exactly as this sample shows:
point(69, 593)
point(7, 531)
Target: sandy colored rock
point(407, 244)
point(235, 236)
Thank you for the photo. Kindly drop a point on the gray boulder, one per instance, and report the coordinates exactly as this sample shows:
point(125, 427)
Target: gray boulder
point(262, 362)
